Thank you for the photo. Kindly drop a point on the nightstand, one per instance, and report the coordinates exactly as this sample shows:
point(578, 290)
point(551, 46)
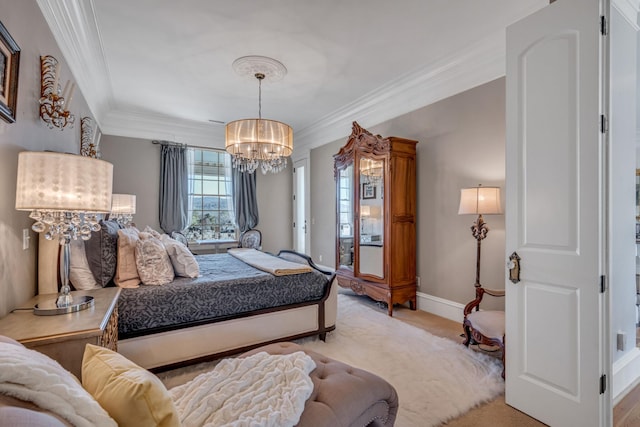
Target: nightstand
point(64, 336)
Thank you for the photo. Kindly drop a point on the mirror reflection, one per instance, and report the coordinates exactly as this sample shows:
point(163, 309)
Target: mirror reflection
point(371, 217)
point(345, 216)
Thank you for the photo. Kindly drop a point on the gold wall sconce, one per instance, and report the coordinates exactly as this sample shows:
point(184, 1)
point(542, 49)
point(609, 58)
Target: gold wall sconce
point(54, 103)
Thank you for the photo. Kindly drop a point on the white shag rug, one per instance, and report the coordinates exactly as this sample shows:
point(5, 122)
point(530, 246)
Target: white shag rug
point(436, 378)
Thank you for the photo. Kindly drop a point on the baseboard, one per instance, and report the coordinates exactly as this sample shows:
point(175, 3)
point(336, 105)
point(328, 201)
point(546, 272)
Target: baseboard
point(626, 374)
point(441, 307)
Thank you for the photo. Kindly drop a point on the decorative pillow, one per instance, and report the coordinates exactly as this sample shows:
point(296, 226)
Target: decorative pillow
point(126, 269)
point(179, 237)
point(151, 231)
point(35, 377)
point(101, 250)
point(184, 263)
point(80, 274)
point(152, 260)
point(132, 395)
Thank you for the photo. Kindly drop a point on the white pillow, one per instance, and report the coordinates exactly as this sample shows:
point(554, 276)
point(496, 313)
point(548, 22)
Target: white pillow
point(184, 263)
point(80, 274)
point(152, 260)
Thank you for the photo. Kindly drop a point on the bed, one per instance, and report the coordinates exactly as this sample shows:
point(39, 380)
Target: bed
point(195, 319)
point(192, 320)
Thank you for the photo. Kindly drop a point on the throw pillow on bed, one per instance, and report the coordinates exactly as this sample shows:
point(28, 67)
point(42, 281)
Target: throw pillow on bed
point(126, 270)
point(80, 274)
point(152, 260)
point(101, 250)
point(183, 261)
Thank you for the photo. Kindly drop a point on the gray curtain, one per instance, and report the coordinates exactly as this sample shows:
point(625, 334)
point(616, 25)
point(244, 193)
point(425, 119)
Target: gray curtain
point(174, 197)
point(244, 199)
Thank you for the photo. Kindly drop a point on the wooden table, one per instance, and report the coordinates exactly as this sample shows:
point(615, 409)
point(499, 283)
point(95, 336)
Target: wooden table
point(64, 336)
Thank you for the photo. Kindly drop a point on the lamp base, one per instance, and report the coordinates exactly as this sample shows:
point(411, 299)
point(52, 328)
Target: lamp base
point(50, 308)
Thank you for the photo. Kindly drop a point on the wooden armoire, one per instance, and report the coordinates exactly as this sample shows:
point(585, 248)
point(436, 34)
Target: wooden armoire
point(376, 217)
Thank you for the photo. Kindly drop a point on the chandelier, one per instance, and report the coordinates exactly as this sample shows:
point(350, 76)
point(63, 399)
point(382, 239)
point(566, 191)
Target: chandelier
point(263, 143)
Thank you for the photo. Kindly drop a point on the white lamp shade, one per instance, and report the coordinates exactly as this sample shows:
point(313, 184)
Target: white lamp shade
point(259, 139)
point(480, 200)
point(365, 210)
point(123, 204)
point(63, 182)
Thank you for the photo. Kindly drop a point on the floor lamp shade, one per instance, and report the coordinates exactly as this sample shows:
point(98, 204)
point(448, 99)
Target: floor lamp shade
point(480, 201)
point(49, 181)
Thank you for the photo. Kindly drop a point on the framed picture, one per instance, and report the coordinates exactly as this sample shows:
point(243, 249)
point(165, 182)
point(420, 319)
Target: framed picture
point(9, 63)
point(368, 191)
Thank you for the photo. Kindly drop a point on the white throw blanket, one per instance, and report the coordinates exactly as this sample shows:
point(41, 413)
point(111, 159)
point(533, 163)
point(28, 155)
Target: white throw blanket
point(259, 390)
point(269, 263)
point(31, 376)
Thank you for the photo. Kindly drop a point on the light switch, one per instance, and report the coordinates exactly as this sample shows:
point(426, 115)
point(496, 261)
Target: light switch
point(25, 239)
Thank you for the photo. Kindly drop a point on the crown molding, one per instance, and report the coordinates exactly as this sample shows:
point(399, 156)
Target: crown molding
point(154, 126)
point(73, 24)
point(476, 64)
point(629, 10)
point(74, 27)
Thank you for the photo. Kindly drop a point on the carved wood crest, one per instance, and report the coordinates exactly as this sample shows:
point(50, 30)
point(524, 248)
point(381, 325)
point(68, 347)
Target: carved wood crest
point(360, 140)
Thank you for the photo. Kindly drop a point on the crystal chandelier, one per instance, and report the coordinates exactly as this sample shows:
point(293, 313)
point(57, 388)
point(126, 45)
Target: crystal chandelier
point(263, 143)
point(371, 170)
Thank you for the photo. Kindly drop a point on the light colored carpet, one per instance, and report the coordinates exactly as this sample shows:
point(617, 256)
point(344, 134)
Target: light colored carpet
point(436, 378)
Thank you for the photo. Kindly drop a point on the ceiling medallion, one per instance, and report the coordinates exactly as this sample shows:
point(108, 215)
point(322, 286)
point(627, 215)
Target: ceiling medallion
point(249, 66)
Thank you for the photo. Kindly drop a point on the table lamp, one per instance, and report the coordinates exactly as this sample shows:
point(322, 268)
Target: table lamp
point(123, 207)
point(478, 201)
point(64, 193)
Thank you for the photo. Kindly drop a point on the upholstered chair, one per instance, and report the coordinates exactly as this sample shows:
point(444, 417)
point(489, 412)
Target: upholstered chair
point(485, 326)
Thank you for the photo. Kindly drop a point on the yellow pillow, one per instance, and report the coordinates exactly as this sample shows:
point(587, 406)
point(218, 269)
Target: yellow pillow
point(132, 395)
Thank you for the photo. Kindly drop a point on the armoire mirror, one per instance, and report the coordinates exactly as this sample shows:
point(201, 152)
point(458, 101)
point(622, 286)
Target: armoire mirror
point(371, 241)
point(345, 216)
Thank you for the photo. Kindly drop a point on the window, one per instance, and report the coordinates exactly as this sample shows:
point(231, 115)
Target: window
point(210, 196)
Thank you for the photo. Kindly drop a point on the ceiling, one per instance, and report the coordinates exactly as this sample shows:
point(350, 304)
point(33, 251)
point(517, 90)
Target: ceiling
point(162, 69)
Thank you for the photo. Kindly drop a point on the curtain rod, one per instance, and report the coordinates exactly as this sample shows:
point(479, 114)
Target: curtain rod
point(177, 144)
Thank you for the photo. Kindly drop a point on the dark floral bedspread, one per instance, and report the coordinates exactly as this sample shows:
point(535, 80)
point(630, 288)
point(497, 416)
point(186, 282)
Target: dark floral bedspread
point(226, 286)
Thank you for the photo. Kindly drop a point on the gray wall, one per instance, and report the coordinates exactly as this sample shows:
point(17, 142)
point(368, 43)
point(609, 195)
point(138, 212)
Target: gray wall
point(25, 23)
point(136, 170)
point(461, 144)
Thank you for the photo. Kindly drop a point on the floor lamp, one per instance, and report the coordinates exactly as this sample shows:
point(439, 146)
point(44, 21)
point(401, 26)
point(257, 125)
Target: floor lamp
point(64, 194)
point(479, 201)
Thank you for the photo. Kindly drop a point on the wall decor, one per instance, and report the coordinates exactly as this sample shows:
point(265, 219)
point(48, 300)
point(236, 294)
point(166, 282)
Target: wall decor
point(54, 103)
point(9, 65)
point(368, 191)
point(88, 145)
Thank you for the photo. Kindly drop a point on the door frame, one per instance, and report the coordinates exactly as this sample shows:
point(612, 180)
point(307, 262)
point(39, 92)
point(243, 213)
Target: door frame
point(305, 203)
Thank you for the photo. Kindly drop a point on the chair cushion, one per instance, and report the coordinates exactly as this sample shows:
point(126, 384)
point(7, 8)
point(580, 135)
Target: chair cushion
point(489, 323)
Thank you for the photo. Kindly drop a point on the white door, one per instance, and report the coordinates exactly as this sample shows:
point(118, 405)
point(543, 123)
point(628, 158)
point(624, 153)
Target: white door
point(556, 323)
point(300, 210)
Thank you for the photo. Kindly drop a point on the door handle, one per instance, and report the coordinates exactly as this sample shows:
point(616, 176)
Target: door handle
point(514, 267)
